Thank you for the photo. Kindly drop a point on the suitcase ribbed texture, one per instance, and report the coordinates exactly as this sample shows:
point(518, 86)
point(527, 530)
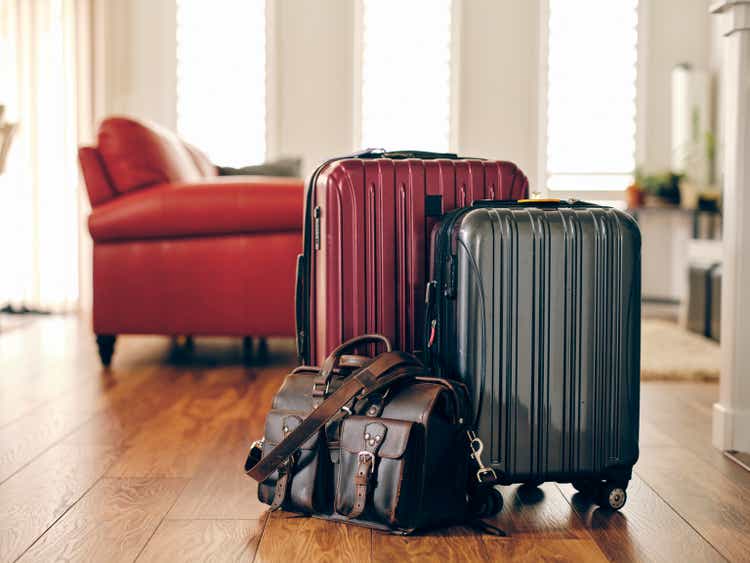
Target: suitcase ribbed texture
point(547, 311)
point(373, 217)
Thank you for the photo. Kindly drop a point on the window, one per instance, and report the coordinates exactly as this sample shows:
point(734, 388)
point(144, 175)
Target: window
point(591, 94)
point(221, 78)
point(406, 74)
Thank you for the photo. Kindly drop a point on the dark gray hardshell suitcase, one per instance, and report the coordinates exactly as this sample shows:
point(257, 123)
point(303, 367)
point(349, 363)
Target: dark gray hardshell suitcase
point(536, 307)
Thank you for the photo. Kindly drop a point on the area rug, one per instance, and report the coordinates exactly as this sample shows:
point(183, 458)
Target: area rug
point(670, 352)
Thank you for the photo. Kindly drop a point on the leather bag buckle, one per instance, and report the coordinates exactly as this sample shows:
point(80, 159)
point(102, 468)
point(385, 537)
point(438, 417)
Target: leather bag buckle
point(365, 457)
point(318, 392)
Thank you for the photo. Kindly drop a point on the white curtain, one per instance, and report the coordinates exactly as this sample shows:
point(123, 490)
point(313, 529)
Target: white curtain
point(45, 55)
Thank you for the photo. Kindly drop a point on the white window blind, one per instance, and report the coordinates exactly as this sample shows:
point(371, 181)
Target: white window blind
point(41, 79)
point(591, 94)
point(221, 78)
point(406, 74)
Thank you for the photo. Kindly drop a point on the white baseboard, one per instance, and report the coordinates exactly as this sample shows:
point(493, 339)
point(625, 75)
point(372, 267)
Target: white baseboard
point(731, 428)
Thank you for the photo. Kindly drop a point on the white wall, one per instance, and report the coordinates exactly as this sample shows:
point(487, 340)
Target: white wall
point(499, 81)
point(677, 31)
point(314, 44)
point(136, 39)
point(311, 106)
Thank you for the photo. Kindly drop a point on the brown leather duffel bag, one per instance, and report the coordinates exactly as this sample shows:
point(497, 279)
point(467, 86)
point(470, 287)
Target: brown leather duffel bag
point(371, 441)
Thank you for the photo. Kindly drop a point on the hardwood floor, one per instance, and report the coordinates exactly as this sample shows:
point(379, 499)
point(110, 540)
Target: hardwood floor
point(144, 462)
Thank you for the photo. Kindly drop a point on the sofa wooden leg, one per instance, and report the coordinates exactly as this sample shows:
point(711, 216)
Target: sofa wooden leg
point(247, 349)
point(262, 353)
point(106, 345)
point(184, 342)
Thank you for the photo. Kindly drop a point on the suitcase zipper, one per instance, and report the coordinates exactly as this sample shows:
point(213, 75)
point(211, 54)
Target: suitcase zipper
point(438, 289)
point(452, 287)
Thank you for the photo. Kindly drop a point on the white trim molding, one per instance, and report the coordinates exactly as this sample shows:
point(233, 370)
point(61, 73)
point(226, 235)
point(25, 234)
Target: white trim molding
point(542, 78)
point(272, 82)
point(457, 9)
point(358, 44)
point(731, 415)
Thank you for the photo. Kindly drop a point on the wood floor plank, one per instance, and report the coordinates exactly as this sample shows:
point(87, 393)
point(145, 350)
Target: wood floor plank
point(456, 543)
point(306, 539)
point(112, 522)
point(683, 411)
point(122, 419)
point(34, 498)
point(538, 512)
point(646, 529)
point(199, 541)
point(176, 441)
point(43, 360)
point(652, 435)
point(529, 549)
point(717, 507)
point(220, 489)
point(159, 414)
point(27, 437)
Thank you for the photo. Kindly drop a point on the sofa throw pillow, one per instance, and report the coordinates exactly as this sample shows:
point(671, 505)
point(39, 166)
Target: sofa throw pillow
point(289, 167)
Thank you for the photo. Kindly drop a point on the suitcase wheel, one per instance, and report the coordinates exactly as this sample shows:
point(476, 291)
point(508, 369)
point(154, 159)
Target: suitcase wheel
point(585, 487)
point(612, 495)
point(487, 504)
point(533, 484)
point(607, 494)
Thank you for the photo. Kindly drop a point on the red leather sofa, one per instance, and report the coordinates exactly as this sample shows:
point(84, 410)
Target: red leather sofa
point(181, 251)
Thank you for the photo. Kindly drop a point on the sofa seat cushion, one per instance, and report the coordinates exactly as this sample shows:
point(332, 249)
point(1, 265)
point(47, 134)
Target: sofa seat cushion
point(216, 206)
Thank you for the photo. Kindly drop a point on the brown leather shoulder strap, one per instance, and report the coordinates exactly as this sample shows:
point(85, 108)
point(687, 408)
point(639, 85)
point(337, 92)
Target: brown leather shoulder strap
point(378, 374)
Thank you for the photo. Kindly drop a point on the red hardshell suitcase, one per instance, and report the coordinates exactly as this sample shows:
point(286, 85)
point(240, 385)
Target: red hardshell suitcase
point(368, 219)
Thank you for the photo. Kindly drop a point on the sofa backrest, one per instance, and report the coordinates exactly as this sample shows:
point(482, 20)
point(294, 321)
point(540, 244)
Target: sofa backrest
point(137, 154)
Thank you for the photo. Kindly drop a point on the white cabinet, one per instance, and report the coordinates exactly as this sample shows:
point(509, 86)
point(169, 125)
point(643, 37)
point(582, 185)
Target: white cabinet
point(666, 233)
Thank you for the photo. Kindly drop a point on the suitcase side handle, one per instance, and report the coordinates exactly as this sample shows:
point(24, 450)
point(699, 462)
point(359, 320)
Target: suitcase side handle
point(300, 308)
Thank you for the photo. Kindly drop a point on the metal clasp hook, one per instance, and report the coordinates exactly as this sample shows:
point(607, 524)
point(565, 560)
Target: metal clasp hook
point(484, 474)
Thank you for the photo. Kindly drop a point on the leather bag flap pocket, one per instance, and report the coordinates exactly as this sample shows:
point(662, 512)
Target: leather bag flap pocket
point(394, 443)
point(279, 420)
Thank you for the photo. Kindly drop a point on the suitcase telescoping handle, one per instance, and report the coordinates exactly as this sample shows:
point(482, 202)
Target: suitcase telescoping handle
point(424, 155)
point(550, 202)
point(404, 153)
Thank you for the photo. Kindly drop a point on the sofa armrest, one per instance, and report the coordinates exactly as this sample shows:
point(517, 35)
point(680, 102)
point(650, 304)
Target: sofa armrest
point(98, 184)
point(211, 207)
